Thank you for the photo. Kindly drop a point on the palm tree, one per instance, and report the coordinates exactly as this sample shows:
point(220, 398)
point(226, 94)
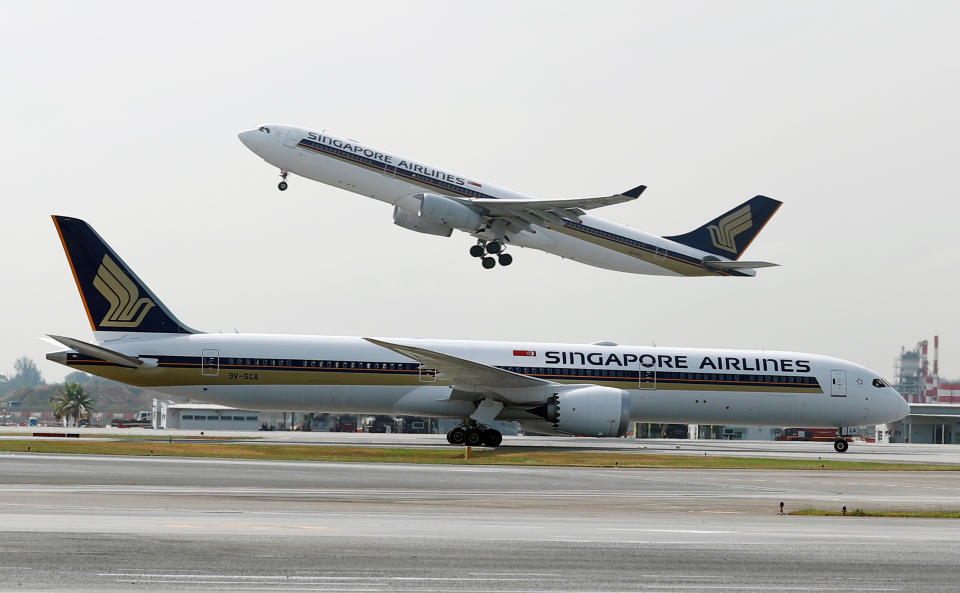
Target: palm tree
point(73, 402)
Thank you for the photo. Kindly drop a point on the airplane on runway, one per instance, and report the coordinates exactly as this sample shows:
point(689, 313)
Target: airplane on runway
point(572, 389)
point(432, 201)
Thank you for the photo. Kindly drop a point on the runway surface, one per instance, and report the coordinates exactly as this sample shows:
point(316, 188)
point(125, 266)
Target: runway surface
point(89, 523)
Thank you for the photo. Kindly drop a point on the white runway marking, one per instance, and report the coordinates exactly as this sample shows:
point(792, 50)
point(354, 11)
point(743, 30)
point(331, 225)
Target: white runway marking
point(663, 530)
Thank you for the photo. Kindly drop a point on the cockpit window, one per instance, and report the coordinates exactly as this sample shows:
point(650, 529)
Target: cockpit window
point(264, 129)
point(880, 383)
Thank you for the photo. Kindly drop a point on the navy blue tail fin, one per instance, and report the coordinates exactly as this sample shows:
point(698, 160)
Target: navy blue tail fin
point(114, 297)
point(731, 233)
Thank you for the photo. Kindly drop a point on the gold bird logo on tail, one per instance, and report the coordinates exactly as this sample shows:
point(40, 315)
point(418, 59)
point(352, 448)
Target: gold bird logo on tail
point(724, 233)
point(127, 309)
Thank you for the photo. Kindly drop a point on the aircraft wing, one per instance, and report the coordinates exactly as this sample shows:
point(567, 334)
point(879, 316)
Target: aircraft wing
point(467, 375)
point(545, 213)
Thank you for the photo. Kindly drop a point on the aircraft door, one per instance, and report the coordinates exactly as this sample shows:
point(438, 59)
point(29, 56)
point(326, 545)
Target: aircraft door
point(389, 170)
point(293, 137)
point(210, 363)
point(838, 383)
point(648, 378)
point(428, 375)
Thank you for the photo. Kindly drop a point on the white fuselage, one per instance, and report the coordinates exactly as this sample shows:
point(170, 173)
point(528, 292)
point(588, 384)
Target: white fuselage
point(391, 178)
point(351, 375)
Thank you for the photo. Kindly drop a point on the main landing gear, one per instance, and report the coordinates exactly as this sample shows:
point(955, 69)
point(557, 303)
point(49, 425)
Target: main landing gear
point(485, 250)
point(841, 445)
point(282, 186)
point(474, 436)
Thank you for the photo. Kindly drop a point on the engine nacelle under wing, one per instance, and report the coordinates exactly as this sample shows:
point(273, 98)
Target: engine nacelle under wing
point(442, 210)
point(419, 224)
point(588, 411)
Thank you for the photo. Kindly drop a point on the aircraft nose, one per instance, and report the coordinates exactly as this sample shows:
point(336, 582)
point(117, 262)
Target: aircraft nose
point(247, 137)
point(904, 409)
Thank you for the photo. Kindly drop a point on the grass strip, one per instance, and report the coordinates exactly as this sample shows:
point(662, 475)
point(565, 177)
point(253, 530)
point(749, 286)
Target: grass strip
point(866, 513)
point(526, 457)
point(140, 437)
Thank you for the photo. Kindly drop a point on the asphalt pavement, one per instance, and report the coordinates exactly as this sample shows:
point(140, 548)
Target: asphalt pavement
point(92, 523)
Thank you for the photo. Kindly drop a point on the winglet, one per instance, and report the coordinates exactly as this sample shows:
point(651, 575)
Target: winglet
point(635, 192)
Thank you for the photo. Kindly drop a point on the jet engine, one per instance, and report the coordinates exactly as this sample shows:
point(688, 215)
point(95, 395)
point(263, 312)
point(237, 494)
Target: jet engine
point(588, 411)
point(447, 212)
point(419, 224)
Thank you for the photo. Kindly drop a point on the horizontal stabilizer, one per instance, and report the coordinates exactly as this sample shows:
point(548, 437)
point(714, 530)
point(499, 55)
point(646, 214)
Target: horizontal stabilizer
point(737, 265)
point(98, 352)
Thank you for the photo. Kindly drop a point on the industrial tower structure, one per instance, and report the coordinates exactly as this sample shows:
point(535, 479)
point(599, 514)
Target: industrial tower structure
point(917, 382)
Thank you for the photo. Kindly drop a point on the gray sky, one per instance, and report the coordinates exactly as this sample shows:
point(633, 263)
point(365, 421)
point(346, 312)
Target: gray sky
point(125, 114)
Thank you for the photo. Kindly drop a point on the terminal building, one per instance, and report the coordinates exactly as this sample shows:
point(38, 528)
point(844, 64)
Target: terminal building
point(927, 423)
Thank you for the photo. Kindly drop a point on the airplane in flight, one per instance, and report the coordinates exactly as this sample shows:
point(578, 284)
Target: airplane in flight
point(568, 389)
point(433, 201)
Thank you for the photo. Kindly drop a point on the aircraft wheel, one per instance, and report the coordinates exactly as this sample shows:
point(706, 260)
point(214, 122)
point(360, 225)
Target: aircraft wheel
point(282, 186)
point(476, 251)
point(473, 437)
point(841, 445)
point(457, 435)
point(488, 262)
point(494, 247)
point(505, 259)
point(492, 438)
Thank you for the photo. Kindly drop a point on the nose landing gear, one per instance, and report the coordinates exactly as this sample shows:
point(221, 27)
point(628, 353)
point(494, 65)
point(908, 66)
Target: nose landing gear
point(282, 186)
point(841, 445)
point(485, 250)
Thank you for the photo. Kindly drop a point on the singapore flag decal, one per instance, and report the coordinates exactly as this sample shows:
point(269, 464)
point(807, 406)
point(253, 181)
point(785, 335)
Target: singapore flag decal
point(524, 352)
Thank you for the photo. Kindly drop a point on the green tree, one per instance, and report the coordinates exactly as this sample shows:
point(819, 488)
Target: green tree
point(72, 403)
point(27, 375)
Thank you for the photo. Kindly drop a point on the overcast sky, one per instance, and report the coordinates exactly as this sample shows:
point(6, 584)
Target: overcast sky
point(126, 114)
